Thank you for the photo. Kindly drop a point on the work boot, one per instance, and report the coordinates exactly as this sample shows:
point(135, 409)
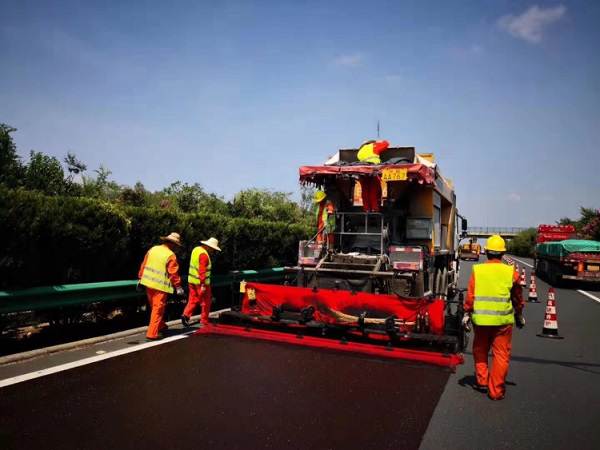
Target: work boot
point(185, 321)
point(480, 388)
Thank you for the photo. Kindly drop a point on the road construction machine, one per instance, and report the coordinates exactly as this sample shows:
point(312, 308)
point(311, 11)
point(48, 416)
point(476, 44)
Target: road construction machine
point(383, 275)
point(470, 250)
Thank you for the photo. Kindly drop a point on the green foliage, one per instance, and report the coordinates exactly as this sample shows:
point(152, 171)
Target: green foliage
point(266, 205)
point(45, 174)
point(192, 198)
point(11, 169)
point(53, 240)
point(523, 243)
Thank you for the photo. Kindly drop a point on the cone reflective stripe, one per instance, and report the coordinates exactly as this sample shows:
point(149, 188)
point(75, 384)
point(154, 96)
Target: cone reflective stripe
point(523, 282)
point(533, 297)
point(550, 329)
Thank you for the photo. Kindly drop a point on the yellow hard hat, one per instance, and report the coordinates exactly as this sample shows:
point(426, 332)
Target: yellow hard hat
point(495, 243)
point(319, 196)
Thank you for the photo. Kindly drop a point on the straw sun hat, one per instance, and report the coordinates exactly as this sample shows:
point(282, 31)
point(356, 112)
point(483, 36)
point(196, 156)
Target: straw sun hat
point(212, 243)
point(173, 237)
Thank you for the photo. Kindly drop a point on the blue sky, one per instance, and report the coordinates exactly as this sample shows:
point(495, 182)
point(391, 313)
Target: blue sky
point(237, 94)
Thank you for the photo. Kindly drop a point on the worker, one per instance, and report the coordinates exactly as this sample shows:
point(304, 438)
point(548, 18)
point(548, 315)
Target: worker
point(199, 281)
point(494, 304)
point(325, 219)
point(370, 151)
point(159, 273)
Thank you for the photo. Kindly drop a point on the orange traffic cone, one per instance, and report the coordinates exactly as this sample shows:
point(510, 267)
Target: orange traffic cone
point(550, 329)
point(523, 282)
point(533, 297)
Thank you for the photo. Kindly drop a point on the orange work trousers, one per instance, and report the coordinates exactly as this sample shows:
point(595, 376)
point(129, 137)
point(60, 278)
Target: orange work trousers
point(196, 298)
point(157, 300)
point(498, 339)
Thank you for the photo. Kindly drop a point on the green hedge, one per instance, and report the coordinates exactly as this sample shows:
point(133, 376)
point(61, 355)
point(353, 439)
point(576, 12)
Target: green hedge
point(54, 240)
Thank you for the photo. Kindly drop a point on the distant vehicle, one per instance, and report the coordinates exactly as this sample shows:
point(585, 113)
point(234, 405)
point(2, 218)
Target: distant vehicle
point(560, 256)
point(470, 251)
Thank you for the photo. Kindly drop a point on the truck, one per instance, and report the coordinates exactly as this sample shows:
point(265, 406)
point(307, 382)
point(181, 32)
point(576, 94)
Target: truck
point(470, 251)
point(559, 256)
point(387, 275)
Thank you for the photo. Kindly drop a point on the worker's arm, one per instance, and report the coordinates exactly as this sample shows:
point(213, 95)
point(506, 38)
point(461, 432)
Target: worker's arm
point(470, 300)
point(173, 271)
point(141, 272)
point(516, 294)
point(202, 268)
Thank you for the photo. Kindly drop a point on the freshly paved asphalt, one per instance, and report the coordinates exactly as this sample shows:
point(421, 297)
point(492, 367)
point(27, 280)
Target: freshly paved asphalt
point(210, 392)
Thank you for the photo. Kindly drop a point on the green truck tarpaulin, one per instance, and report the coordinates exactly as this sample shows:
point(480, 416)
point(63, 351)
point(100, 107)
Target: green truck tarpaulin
point(563, 248)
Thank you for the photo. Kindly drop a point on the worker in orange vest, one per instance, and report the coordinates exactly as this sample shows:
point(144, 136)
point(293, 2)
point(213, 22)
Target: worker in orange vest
point(199, 281)
point(325, 219)
point(159, 273)
point(494, 304)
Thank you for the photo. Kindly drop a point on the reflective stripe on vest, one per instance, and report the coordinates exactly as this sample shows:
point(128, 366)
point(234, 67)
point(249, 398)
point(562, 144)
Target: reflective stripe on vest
point(493, 306)
point(194, 273)
point(367, 154)
point(155, 274)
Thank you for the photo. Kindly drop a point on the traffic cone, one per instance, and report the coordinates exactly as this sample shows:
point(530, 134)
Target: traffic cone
point(550, 329)
point(523, 282)
point(533, 297)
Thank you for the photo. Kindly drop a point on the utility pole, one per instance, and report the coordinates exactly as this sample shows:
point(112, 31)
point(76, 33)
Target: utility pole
point(377, 129)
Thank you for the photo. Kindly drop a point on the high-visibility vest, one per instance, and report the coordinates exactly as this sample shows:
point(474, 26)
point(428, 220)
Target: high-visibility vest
point(155, 274)
point(493, 306)
point(325, 218)
point(194, 273)
point(367, 154)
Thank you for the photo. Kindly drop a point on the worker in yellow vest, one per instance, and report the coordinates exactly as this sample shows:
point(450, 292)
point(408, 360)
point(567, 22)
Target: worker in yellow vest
point(325, 219)
point(159, 273)
point(199, 281)
point(494, 304)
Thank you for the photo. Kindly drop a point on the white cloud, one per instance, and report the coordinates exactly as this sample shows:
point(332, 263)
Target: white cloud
point(514, 197)
point(531, 24)
point(350, 60)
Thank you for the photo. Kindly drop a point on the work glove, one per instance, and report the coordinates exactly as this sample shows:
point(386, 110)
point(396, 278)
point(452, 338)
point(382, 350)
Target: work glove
point(519, 320)
point(202, 289)
point(466, 322)
point(139, 287)
point(180, 292)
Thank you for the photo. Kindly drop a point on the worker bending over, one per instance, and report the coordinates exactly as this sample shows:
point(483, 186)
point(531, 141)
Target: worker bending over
point(199, 281)
point(494, 304)
point(325, 219)
point(159, 273)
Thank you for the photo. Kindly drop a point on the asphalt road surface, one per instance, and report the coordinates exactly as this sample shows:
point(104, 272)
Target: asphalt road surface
point(225, 393)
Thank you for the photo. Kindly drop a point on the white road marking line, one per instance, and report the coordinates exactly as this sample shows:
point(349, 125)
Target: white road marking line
point(587, 294)
point(523, 262)
point(90, 360)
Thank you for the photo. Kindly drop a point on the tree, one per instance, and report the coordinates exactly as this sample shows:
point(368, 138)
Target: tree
point(45, 174)
point(11, 168)
point(136, 196)
point(266, 205)
point(101, 187)
point(523, 243)
point(192, 198)
point(74, 166)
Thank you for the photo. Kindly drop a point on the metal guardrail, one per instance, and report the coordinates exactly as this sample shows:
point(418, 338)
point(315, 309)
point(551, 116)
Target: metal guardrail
point(76, 295)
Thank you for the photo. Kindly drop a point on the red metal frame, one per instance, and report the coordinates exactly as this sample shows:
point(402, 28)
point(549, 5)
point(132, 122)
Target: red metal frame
point(422, 356)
